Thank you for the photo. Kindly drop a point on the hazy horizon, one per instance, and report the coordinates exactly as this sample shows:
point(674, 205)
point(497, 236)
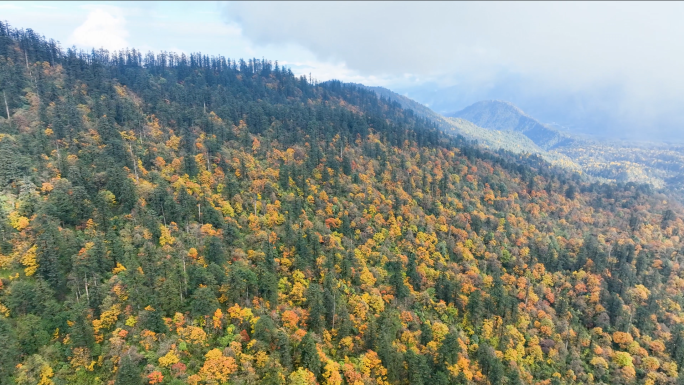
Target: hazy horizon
point(593, 68)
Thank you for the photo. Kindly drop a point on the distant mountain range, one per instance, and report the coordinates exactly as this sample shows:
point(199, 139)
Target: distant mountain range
point(500, 125)
point(504, 116)
point(476, 122)
point(508, 140)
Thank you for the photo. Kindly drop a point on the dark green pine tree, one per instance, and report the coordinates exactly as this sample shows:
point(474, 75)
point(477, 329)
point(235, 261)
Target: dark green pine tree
point(475, 307)
point(314, 303)
point(514, 377)
point(490, 364)
point(265, 332)
point(418, 370)
point(9, 167)
point(9, 351)
point(447, 354)
point(48, 252)
point(411, 271)
point(204, 302)
point(396, 279)
point(128, 373)
point(284, 350)
point(330, 295)
point(308, 355)
point(675, 345)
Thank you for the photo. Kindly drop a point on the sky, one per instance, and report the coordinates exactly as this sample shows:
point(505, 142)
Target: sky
point(603, 68)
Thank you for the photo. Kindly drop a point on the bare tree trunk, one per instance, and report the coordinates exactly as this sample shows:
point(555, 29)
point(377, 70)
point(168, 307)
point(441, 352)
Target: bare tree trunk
point(163, 215)
point(185, 278)
point(135, 165)
point(334, 307)
point(6, 106)
point(29, 68)
point(86, 289)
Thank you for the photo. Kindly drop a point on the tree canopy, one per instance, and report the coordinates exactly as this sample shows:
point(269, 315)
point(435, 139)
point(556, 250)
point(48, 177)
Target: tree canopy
point(173, 219)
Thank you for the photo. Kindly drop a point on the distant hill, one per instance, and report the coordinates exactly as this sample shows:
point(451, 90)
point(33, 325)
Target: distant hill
point(489, 137)
point(500, 125)
point(493, 139)
point(504, 116)
point(406, 103)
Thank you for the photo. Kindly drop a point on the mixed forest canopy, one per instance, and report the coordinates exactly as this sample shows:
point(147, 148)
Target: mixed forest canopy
point(171, 219)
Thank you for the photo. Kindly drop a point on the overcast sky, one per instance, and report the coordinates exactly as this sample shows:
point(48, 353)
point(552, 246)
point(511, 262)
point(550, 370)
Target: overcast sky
point(616, 67)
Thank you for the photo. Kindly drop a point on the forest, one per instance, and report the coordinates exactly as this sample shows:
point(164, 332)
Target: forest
point(185, 219)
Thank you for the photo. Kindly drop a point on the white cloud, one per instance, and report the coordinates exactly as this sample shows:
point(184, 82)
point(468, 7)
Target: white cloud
point(322, 71)
point(581, 41)
point(569, 47)
point(104, 27)
point(10, 6)
point(42, 6)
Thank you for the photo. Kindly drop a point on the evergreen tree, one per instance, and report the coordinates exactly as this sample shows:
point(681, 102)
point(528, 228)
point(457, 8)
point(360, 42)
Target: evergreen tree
point(128, 372)
point(308, 355)
point(9, 351)
point(314, 302)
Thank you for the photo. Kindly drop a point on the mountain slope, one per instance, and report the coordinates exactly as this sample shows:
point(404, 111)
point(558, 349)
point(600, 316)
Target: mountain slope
point(494, 139)
point(193, 220)
point(514, 142)
point(504, 116)
point(660, 165)
point(406, 103)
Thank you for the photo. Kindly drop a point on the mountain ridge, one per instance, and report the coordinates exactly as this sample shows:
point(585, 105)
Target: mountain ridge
point(658, 164)
point(492, 138)
point(505, 116)
point(196, 220)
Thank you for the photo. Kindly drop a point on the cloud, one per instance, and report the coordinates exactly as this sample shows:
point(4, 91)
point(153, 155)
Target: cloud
point(42, 6)
point(582, 41)
point(10, 6)
point(322, 71)
point(575, 48)
point(104, 27)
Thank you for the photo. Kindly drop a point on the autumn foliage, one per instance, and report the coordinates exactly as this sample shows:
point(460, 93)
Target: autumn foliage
point(198, 220)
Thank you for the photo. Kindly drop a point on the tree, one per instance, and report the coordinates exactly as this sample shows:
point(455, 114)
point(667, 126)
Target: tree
point(31, 334)
point(10, 170)
point(9, 351)
point(49, 260)
point(36, 370)
point(396, 279)
point(265, 331)
point(284, 350)
point(449, 349)
point(418, 370)
point(314, 303)
point(128, 373)
point(475, 307)
point(490, 364)
point(204, 302)
point(308, 355)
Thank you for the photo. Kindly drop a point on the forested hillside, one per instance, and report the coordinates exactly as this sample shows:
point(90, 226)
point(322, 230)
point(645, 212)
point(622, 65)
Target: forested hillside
point(192, 220)
point(608, 159)
point(494, 139)
point(504, 116)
